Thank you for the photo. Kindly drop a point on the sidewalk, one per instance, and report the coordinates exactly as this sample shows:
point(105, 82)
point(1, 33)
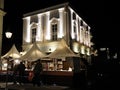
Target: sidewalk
point(11, 86)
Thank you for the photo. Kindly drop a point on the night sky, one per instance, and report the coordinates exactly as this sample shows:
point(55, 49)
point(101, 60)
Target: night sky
point(102, 17)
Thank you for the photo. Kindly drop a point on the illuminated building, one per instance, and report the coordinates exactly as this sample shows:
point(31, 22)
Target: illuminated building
point(2, 13)
point(47, 27)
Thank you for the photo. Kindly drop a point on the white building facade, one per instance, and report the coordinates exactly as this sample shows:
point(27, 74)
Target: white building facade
point(48, 26)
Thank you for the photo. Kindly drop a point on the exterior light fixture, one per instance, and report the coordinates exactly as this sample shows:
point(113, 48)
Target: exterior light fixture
point(8, 34)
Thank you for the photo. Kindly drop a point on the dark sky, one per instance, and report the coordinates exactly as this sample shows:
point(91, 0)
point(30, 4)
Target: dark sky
point(102, 17)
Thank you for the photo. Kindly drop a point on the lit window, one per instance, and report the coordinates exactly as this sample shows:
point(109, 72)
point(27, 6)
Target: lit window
point(54, 31)
point(75, 31)
point(33, 35)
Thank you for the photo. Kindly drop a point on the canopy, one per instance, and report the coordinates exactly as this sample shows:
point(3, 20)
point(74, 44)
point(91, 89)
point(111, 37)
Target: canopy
point(33, 54)
point(62, 51)
point(13, 52)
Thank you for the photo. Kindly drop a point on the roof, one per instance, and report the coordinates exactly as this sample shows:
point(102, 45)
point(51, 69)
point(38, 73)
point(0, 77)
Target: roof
point(46, 9)
point(62, 51)
point(33, 54)
point(13, 52)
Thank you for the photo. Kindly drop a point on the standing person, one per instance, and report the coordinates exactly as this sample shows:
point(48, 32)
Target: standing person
point(37, 71)
point(21, 72)
point(15, 69)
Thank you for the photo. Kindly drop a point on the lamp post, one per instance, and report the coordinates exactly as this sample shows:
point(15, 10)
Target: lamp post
point(8, 35)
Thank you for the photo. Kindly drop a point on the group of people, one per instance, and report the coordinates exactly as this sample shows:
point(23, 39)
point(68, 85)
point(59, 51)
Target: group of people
point(19, 70)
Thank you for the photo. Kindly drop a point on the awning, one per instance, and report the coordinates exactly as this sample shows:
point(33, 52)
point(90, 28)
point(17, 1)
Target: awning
point(33, 54)
point(13, 53)
point(62, 51)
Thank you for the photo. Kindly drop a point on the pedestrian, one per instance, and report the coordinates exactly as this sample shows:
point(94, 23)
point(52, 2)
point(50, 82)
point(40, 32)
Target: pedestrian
point(37, 72)
point(21, 72)
point(15, 70)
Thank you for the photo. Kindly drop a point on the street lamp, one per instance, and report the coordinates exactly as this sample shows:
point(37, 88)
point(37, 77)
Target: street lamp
point(8, 35)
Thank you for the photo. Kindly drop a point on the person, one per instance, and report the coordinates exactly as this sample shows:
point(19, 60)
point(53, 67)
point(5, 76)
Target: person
point(21, 72)
point(15, 69)
point(37, 72)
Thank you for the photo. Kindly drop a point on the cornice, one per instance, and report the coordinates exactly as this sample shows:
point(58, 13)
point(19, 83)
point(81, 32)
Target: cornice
point(46, 9)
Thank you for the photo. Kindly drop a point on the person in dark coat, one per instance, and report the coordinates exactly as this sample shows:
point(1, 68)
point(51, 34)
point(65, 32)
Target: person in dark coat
point(15, 69)
point(37, 72)
point(21, 72)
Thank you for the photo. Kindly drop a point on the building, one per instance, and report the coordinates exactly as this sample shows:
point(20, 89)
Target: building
point(2, 13)
point(47, 27)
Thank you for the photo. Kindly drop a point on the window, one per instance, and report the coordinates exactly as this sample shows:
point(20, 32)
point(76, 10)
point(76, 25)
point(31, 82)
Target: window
point(75, 31)
point(33, 35)
point(81, 23)
point(54, 14)
point(74, 16)
point(54, 31)
point(34, 19)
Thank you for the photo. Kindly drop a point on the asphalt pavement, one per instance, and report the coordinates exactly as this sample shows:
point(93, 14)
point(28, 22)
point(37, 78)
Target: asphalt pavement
point(28, 86)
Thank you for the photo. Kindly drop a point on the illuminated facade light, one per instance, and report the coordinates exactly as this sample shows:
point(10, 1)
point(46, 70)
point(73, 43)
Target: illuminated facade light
point(82, 49)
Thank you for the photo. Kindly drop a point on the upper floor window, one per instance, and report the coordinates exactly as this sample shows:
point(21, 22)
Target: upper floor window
point(74, 16)
point(33, 32)
point(33, 35)
point(54, 14)
point(75, 31)
point(81, 23)
point(54, 31)
point(34, 19)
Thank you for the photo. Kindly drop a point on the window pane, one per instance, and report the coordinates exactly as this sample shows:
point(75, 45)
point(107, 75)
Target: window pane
point(33, 35)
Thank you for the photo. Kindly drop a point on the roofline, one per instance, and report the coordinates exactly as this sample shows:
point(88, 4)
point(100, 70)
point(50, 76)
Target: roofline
point(45, 9)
